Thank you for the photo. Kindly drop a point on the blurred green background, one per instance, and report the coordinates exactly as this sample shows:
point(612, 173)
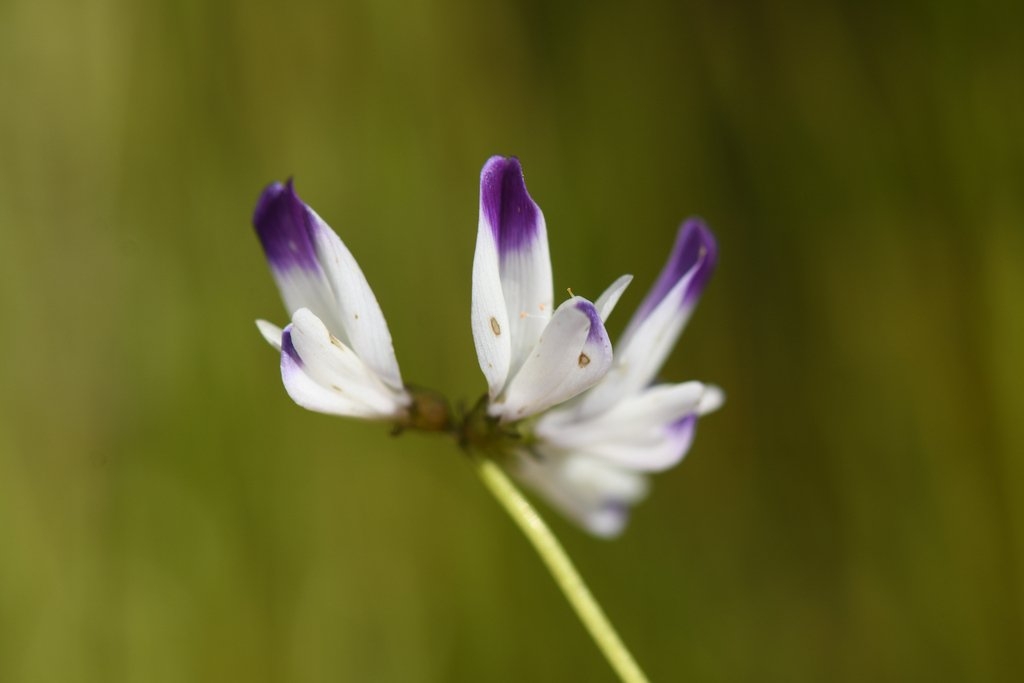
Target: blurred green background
point(853, 514)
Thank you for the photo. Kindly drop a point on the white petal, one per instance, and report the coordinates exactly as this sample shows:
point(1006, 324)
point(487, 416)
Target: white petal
point(270, 332)
point(652, 450)
point(647, 431)
point(322, 374)
point(643, 349)
point(605, 303)
point(363, 327)
point(712, 399)
point(595, 495)
point(308, 289)
point(526, 283)
point(573, 354)
point(310, 394)
point(489, 317)
point(655, 406)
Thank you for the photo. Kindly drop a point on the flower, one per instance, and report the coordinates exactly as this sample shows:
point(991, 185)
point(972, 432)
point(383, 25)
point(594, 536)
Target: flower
point(533, 355)
point(336, 355)
point(591, 456)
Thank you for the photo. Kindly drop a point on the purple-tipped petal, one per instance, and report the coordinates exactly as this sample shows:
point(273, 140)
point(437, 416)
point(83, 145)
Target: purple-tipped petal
point(507, 206)
point(512, 290)
point(315, 270)
point(649, 431)
point(573, 354)
point(657, 324)
point(284, 226)
point(594, 494)
point(322, 374)
point(693, 256)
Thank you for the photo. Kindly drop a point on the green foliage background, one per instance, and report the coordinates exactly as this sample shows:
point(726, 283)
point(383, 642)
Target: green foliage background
point(854, 513)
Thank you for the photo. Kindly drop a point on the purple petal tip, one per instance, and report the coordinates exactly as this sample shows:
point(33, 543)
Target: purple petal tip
point(694, 256)
point(288, 348)
point(697, 247)
point(682, 432)
point(597, 331)
point(513, 215)
point(283, 223)
point(684, 426)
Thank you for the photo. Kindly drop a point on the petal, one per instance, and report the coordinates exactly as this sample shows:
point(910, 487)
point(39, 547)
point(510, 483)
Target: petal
point(655, 328)
point(595, 495)
point(605, 303)
point(488, 316)
point(363, 327)
point(712, 399)
point(655, 406)
point(322, 374)
point(573, 354)
point(284, 226)
point(512, 290)
point(309, 393)
point(280, 222)
point(270, 332)
point(649, 431)
point(693, 258)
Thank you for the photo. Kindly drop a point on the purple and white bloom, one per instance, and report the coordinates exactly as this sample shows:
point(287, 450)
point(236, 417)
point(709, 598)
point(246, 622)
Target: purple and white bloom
point(533, 355)
point(592, 455)
point(336, 354)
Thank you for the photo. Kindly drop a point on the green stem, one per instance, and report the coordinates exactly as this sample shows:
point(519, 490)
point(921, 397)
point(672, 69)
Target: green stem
point(561, 568)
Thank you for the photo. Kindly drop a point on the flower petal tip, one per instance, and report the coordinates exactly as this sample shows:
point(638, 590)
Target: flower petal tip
point(692, 260)
point(271, 332)
point(289, 356)
point(698, 249)
point(283, 224)
point(514, 218)
point(597, 333)
point(609, 521)
point(605, 303)
point(711, 400)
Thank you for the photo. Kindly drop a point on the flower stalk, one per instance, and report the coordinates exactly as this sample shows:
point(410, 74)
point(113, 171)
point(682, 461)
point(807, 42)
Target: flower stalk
point(561, 567)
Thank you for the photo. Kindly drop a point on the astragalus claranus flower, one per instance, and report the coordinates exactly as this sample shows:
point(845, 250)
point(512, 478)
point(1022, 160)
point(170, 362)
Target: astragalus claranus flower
point(336, 354)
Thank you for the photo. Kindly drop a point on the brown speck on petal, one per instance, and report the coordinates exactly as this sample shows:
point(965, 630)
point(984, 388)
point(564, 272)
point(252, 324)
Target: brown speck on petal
point(495, 327)
point(584, 360)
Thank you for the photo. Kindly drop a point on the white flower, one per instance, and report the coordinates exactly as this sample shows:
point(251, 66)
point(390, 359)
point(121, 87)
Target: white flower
point(336, 355)
point(532, 356)
point(591, 455)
